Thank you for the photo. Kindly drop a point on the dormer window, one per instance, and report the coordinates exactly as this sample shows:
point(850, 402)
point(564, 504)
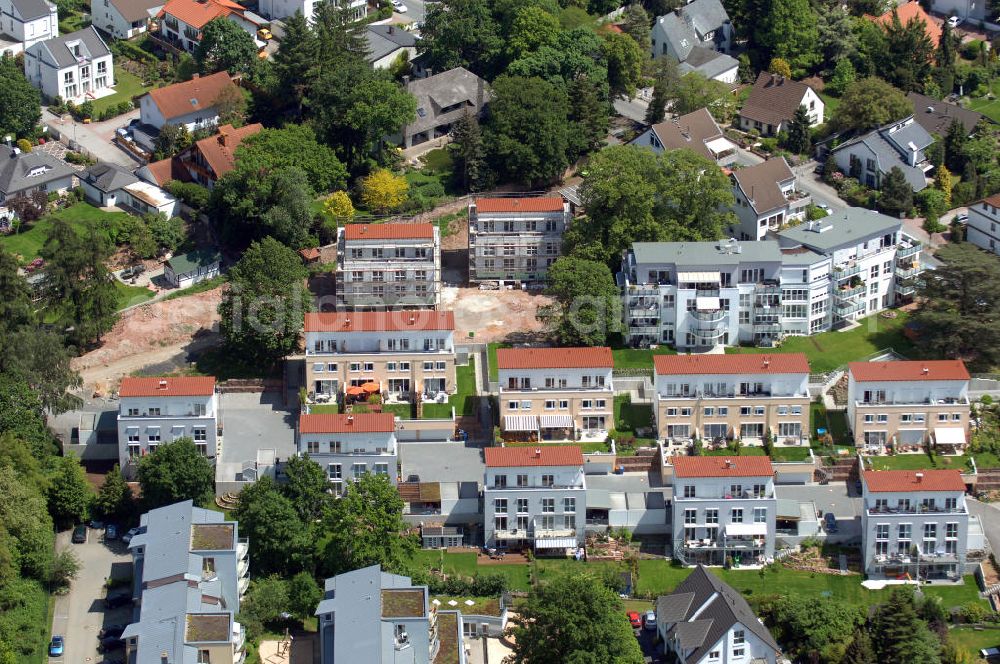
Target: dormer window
point(37, 170)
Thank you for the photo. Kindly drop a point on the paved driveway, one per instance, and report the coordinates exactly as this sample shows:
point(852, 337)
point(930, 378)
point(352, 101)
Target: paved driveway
point(95, 137)
point(80, 614)
point(989, 515)
point(820, 191)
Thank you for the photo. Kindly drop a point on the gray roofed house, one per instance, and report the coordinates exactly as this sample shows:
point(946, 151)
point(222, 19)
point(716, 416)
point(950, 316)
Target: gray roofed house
point(31, 9)
point(188, 269)
point(704, 620)
point(871, 156)
point(105, 177)
point(76, 66)
point(843, 228)
point(441, 100)
point(25, 23)
point(124, 19)
point(710, 64)
point(22, 173)
point(936, 116)
point(693, 32)
point(385, 42)
point(696, 131)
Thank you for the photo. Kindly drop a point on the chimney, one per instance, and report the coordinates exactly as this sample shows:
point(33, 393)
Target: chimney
point(430, 72)
point(194, 76)
point(767, 363)
point(729, 463)
point(350, 419)
point(480, 93)
point(163, 384)
point(926, 371)
point(413, 319)
point(538, 452)
point(164, 658)
point(222, 137)
point(920, 477)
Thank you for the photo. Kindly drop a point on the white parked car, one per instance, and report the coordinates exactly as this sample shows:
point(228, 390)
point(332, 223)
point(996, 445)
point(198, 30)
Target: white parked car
point(127, 537)
point(954, 21)
point(398, 6)
point(825, 208)
point(649, 620)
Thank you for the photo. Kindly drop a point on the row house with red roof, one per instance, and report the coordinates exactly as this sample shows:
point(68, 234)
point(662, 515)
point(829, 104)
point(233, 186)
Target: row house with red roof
point(181, 21)
point(515, 239)
point(347, 446)
point(723, 507)
point(389, 265)
point(722, 397)
point(405, 352)
point(554, 394)
point(903, 405)
point(534, 497)
point(915, 523)
point(157, 410)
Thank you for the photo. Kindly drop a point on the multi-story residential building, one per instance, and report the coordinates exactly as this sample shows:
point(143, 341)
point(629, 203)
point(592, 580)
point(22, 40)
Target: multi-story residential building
point(190, 103)
point(696, 131)
point(871, 156)
point(124, 19)
point(406, 352)
point(705, 621)
point(723, 507)
point(983, 226)
point(181, 21)
point(210, 158)
point(698, 36)
point(442, 100)
point(152, 411)
point(555, 393)
point(515, 239)
point(191, 571)
point(76, 67)
point(348, 446)
point(914, 522)
point(23, 173)
point(534, 497)
point(282, 9)
point(722, 397)
point(24, 23)
point(372, 617)
point(766, 199)
point(388, 265)
point(908, 403)
point(773, 102)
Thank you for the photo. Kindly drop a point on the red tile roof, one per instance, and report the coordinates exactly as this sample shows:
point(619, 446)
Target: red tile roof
point(909, 370)
point(175, 386)
point(391, 231)
point(907, 13)
point(198, 13)
point(899, 481)
point(379, 321)
point(554, 358)
point(541, 204)
point(197, 94)
point(359, 423)
point(722, 466)
point(166, 170)
point(993, 200)
point(750, 363)
point(219, 150)
point(510, 457)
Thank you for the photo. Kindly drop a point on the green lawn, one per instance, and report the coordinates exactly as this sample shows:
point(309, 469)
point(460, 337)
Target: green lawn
point(830, 104)
point(974, 640)
point(835, 424)
point(631, 416)
point(986, 460)
point(586, 448)
point(324, 409)
point(404, 411)
point(780, 454)
point(127, 86)
point(639, 358)
point(130, 295)
point(918, 462)
point(200, 287)
point(744, 451)
point(75, 21)
point(491, 354)
point(463, 401)
point(830, 350)
point(985, 105)
point(80, 216)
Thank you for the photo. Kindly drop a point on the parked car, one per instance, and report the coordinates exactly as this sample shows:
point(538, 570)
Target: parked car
point(80, 534)
point(96, 525)
point(264, 34)
point(111, 532)
point(825, 208)
point(962, 217)
point(111, 630)
point(118, 600)
point(954, 21)
point(56, 646)
point(110, 643)
point(132, 532)
point(634, 619)
point(398, 6)
point(990, 652)
point(830, 522)
point(649, 620)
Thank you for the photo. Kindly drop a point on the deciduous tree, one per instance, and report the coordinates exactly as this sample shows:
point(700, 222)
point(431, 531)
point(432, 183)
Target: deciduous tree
point(589, 304)
point(780, 67)
point(174, 472)
point(533, 28)
point(815, 632)
point(280, 541)
point(869, 103)
point(693, 92)
point(942, 180)
point(307, 487)
point(114, 500)
point(20, 103)
point(339, 205)
point(624, 60)
point(384, 191)
point(225, 45)
point(303, 595)
point(69, 493)
point(788, 30)
point(293, 145)
point(462, 33)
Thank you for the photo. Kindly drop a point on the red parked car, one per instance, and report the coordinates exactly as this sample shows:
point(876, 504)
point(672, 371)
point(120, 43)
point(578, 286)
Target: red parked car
point(634, 619)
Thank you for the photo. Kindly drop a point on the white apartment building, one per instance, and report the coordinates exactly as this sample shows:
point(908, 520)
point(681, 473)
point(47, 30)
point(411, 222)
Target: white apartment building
point(983, 226)
point(282, 9)
point(721, 397)
point(76, 67)
point(348, 446)
point(549, 394)
point(24, 23)
point(515, 239)
point(534, 497)
point(812, 278)
point(766, 199)
point(183, 20)
point(908, 403)
point(914, 522)
point(152, 411)
point(723, 507)
point(405, 352)
point(191, 572)
point(388, 265)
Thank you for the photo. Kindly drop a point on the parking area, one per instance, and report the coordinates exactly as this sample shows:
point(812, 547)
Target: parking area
point(253, 421)
point(651, 654)
point(80, 614)
point(442, 462)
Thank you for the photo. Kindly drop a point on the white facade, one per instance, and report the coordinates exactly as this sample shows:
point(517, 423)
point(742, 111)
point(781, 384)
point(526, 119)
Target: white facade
point(515, 239)
point(389, 265)
point(22, 25)
point(346, 455)
point(150, 114)
point(764, 207)
point(109, 16)
point(187, 37)
point(77, 67)
point(983, 227)
point(969, 10)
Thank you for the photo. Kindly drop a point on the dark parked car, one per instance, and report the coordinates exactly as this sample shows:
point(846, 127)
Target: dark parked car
point(111, 631)
point(110, 643)
point(111, 532)
point(117, 600)
point(830, 522)
point(80, 534)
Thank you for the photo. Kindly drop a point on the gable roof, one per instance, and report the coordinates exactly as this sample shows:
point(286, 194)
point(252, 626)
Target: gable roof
point(167, 386)
point(888, 144)
point(388, 231)
point(774, 99)
point(16, 170)
point(198, 94)
point(907, 370)
point(554, 358)
point(909, 12)
point(383, 40)
point(31, 9)
point(90, 43)
point(693, 131)
point(219, 150)
point(760, 183)
point(722, 466)
point(535, 204)
point(516, 457)
point(707, 62)
point(343, 423)
point(107, 177)
point(749, 363)
point(713, 609)
point(936, 116)
point(197, 13)
point(905, 481)
point(137, 10)
point(442, 90)
point(687, 26)
point(379, 321)
point(163, 171)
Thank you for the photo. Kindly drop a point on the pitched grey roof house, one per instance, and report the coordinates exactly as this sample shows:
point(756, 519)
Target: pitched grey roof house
point(704, 620)
point(696, 131)
point(23, 173)
point(441, 100)
point(871, 156)
point(936, 116)
point(385, 42)
point(698, 35)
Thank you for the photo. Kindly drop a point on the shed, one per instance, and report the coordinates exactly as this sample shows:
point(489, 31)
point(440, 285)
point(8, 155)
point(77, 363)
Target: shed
point(190, 268)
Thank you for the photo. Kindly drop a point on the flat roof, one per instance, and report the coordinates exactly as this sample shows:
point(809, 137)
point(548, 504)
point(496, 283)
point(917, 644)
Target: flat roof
point(843, 227)
point(403, 603)
point(212, 536)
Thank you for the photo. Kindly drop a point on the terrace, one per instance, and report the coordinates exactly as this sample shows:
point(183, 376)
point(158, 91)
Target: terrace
point(403, 603)
point(208, 628)
point(212, 537)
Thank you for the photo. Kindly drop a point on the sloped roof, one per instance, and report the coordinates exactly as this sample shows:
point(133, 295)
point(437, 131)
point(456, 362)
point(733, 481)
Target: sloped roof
point(197, 13)
point(773, 99)
point(936, 116)
point(343, 423)
point(909, 12)
point(383, 40)
point(16, 170)
point(219, 150)
point(722, 466)
point(137, 10)
point(688, 25)
point(905, 481)
point(195, 95)
point(107, 177)
point(31, 9)
point(554, 358)
point(170, 386)
point(691, 131)
point(388, 231)
point(707, 62)
point(91, 43)
point(516, 457)
point(442, 90)
point(166, 170)
point(908, 370)
point(749, 363)
point(888, 144)
point(379, 321)
point(760, 183)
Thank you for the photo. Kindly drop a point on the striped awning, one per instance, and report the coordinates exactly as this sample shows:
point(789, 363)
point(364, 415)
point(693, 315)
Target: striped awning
point(699, 277)
point(555, 421)
point(556, 543)
point(520, 423)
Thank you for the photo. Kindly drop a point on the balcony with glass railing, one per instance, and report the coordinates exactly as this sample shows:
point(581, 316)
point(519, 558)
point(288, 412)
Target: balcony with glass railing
point(845, 270)
point(907, 248)
point(844, 309)
point(708, 315)
point(908, 273)
point(850, 292)
point(711, 336)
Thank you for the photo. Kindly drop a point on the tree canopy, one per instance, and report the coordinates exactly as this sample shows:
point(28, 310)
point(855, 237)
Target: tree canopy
point(20, 103)
point(174, 472)
point(292, 146)
point(869, 103)
point(225, 45)
point(280, 541)
point(588, 301)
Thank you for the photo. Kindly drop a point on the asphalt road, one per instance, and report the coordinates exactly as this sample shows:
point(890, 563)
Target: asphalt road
point(80, 614)
point(416, 10)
